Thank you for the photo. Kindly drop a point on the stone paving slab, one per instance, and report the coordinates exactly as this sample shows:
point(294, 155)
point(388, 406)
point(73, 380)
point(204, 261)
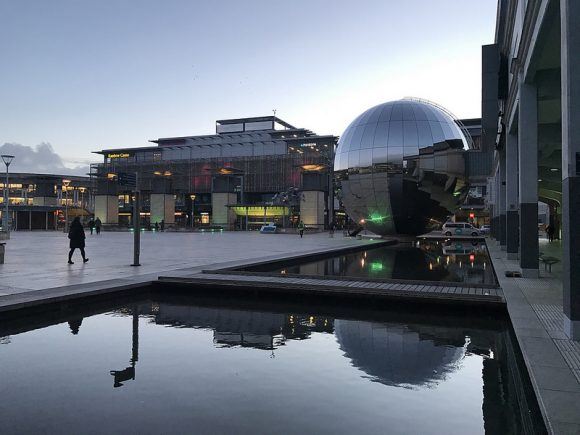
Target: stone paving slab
point(552, 360)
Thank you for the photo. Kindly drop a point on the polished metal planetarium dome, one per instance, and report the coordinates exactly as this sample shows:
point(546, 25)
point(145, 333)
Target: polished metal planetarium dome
point(400, 167)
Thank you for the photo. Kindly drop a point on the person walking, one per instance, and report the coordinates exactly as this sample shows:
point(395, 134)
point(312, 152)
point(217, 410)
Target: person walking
point(331, 228)
point(76, 235)
point(550, 233)
point(98, 226)
point(301, 228)
point(92, 225)
point(162, 225)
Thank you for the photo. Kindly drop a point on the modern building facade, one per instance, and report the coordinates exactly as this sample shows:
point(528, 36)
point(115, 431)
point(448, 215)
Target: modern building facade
point(42, 201)
point(251, 171)
point(531, 114)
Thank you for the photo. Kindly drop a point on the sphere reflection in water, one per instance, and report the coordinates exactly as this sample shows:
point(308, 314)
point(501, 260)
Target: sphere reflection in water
point(401, 168)
point(395, 354)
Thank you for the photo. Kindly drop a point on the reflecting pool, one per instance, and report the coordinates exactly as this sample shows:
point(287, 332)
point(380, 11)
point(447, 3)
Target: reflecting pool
point(420, 260)
point(171, 364)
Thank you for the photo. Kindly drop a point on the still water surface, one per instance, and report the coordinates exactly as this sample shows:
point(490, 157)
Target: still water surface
point(421, 260)
point(182, 366)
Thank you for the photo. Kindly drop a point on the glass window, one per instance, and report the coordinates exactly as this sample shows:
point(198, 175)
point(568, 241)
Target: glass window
point(344, 142)
point(410, 139)
point(386, 112)
point(381, 135)
point(366, 158)
point(430, 113)
point(357, 137)
point(397, 113)
point(368, 135)
point(448, 131)
point(396, 134)
point(365, 116)
point(436, 131)
point(395, 155)
point(375, 114)
point(353, 159)
point(420, 114)
point(380, 155)
point(424, 134)
point(408, 114)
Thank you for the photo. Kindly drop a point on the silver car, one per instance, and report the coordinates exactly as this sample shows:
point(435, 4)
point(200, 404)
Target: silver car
point(459, 229)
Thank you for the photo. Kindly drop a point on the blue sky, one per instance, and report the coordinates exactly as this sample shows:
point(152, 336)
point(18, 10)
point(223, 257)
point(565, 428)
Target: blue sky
point(85, 75)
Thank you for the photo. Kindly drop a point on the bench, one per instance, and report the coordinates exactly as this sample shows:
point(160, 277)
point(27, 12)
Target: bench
point(548, 262)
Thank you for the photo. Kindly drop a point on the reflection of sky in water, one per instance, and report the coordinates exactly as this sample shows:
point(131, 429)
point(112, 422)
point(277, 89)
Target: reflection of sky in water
point(251, 371)
point(453, 261)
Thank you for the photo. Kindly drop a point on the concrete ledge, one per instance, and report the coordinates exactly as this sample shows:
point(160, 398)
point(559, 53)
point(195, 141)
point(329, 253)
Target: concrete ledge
point(531, 273)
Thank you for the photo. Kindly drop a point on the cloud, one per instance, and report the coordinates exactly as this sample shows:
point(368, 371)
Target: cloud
point(41, 159)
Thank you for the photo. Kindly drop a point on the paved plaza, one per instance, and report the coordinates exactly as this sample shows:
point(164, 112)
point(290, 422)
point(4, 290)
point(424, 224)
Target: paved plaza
point(38, 260)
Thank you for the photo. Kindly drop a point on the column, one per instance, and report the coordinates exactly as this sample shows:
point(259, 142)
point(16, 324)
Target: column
point(570, 47)
point(528, 178)
point(162, 208)
point(502, 198)
point(495, 207)
point(221, 214)
point(312, 209)
point(512, 215)
point(107, 209)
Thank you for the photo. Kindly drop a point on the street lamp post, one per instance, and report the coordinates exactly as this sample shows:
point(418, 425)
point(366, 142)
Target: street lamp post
point(7, 159)
point(65, 184)
point(192, 197)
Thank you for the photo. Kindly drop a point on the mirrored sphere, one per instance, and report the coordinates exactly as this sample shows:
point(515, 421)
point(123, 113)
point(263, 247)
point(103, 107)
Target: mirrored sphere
point(400, 167)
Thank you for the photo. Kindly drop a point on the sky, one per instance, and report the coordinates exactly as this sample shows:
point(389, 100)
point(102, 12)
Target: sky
point(79, 76)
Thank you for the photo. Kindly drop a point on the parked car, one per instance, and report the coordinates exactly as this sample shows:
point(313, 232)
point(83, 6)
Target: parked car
point(269, 228)
point(459, 229)
point(485, 229)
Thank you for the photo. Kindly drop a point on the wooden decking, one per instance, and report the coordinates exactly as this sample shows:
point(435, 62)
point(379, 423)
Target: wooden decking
point(437, 293)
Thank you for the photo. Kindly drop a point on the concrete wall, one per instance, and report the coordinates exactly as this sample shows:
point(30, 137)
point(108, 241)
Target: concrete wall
point(162, 208)
point(312, 208)
point(222, 215)
point(107, 209)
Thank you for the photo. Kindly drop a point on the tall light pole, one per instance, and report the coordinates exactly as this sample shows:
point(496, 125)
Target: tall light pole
point(7, 159)
point(192, 197)
point(65, 184)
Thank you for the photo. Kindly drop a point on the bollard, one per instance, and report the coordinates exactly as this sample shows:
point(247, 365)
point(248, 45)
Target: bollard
point(2, 250)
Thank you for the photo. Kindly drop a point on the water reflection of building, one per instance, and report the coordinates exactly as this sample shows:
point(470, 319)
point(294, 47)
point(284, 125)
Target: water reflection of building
point(256, 329)
point(424, 261)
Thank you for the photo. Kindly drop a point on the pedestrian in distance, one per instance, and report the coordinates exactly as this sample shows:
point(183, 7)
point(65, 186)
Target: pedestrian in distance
point(331, 229)
point(156, 227)
point(76, 235)
point(98, 226)
point(301, 228)
point(162, 224)
point(550, 233)
point(92, 225)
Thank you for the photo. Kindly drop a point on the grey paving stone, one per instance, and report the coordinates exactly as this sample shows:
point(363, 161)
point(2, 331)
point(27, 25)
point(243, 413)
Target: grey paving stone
point(542, 351)
point(562, 428)
point(556, 378)
point(562, 406)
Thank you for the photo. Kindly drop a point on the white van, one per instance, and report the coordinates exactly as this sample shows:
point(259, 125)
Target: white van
point(459, 229)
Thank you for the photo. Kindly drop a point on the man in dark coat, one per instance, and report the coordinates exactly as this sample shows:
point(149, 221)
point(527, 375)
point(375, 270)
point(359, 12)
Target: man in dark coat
point(76, 235)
